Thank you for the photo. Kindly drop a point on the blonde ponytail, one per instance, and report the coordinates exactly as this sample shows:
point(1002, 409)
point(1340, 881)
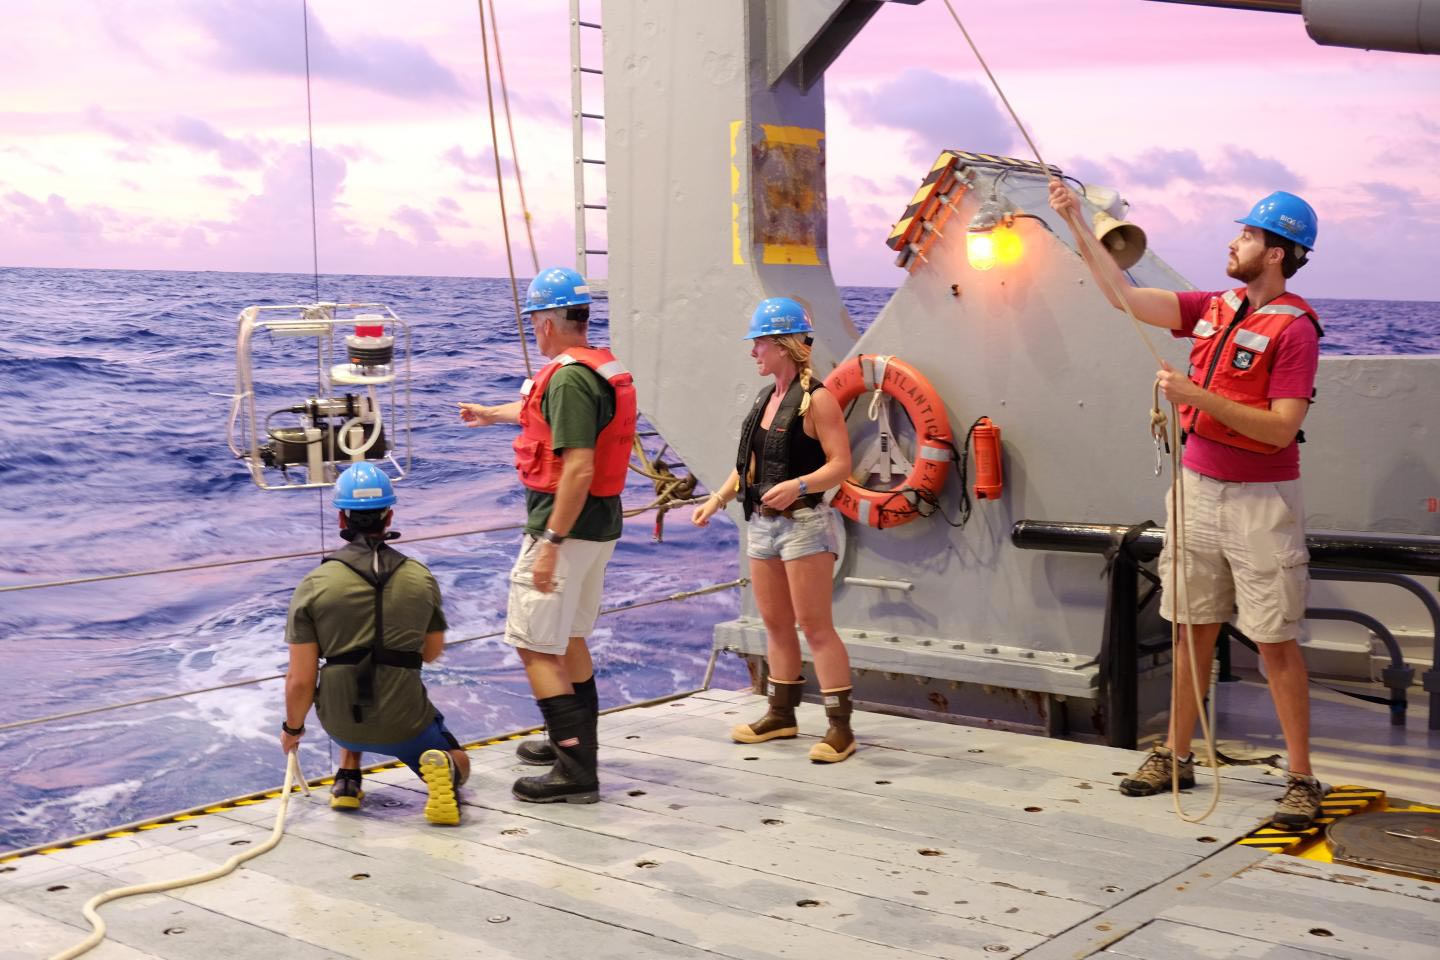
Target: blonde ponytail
point(795, 347)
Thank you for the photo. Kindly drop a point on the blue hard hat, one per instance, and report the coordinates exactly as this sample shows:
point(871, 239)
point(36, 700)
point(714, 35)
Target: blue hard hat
point(1285, 215)
point(776, 316)
point(363, 487)
point(554, 289)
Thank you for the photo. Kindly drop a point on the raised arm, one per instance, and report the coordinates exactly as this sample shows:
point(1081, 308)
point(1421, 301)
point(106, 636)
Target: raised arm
point(1159, 308)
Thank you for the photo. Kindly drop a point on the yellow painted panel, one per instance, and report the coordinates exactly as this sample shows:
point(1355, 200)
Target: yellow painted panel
point(736, 248)
point(791, 253)
point(799, 136)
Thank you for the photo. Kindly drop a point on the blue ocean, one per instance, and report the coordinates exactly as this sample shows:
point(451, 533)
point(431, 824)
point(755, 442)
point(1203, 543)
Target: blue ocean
point(116, 388)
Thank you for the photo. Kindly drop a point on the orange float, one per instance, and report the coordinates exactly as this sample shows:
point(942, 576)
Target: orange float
point(936, 448)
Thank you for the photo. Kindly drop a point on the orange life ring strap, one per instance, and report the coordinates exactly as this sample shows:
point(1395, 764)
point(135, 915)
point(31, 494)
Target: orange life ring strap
point(897, 379)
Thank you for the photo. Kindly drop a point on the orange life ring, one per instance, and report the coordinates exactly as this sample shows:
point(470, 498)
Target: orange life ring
point(894, 507)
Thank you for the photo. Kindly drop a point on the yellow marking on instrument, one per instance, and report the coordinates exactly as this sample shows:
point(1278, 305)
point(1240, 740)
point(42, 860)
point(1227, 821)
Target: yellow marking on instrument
point(150, 826)
point(798, 136)
point(798, 254)
point(114, 835)
point(84, 842)
point(8, 859)
point(49, 850)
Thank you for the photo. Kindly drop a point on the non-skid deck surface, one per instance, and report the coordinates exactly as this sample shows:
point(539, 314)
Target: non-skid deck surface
point(933, 841)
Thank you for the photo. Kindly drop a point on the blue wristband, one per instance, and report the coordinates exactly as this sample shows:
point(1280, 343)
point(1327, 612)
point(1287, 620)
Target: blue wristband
point(803, 488)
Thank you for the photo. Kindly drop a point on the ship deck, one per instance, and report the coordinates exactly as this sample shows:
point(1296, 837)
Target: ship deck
point(935, 840)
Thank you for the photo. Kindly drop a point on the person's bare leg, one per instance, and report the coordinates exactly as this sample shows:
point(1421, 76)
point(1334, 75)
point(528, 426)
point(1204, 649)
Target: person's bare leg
point(772, 596)
point(1290, 689)
point(1185, 710)
point(547, 673)
point(811, 581)
point(577, 661)
point(350, 759)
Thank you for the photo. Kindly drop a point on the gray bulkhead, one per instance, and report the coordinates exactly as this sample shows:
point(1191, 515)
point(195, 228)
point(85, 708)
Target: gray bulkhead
point(717, 198)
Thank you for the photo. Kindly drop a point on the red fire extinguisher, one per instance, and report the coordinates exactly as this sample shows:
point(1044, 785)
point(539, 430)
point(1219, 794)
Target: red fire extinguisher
point(989, 483)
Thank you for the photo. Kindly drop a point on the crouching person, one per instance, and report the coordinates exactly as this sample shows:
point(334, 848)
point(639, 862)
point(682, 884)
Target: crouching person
point(373, 616)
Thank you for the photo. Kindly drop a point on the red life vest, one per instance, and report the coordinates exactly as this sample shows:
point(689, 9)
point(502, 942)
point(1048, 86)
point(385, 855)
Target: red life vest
point(1236, 362)
point(539, 464)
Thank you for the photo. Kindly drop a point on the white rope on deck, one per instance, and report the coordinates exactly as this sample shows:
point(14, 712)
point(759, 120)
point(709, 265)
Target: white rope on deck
point(92, 906)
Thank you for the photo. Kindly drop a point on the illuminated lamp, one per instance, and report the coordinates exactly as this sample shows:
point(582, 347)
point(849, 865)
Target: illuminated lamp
point(990, 238)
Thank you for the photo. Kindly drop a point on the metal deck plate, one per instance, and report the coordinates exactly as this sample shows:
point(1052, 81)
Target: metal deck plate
point(933, 841)
point(1407, 842)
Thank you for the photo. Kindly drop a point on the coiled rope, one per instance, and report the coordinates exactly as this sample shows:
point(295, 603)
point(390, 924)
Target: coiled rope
point(92, 906)
point(1159, 430)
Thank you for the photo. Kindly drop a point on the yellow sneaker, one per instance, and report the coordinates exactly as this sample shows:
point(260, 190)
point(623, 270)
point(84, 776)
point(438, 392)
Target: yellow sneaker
point(439, 776)
point(346, 794)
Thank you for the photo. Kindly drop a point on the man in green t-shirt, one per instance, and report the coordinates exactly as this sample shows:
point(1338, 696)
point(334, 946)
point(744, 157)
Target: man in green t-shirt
point(374, 616)
point(577, 419)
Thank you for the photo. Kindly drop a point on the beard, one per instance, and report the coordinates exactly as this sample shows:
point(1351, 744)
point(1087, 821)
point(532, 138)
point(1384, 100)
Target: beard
point(1245, 271)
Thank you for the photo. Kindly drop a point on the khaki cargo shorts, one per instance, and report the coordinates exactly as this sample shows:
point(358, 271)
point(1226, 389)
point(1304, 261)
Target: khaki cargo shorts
point(1245, 551)
point(545, 622)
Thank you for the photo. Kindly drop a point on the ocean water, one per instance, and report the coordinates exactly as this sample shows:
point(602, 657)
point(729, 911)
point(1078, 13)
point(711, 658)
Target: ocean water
point(115, 388)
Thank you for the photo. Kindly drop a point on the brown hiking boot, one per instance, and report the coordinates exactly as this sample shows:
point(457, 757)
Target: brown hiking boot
point(1301, 803)
point(779, 721)
point(839, 740)
point(1154, 774)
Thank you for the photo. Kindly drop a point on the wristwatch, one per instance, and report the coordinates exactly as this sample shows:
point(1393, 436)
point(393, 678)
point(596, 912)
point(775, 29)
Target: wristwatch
point(292, 731)
point(550, 536)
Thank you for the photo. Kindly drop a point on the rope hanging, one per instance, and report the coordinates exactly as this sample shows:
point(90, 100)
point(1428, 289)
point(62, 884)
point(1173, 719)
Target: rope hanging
point(500, 191)
point(671, 490)
point(514, 153)
point(1158, 428)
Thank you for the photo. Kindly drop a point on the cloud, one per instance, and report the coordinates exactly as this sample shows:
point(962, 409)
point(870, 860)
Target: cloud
point(233, 154)
point(422, 228)
point(481, 164)
point(1160, 167)
point(103, 122)
point(51, 216)
point(265, 36)
point(1243, 166)
point(936, 111)
point(221, 182)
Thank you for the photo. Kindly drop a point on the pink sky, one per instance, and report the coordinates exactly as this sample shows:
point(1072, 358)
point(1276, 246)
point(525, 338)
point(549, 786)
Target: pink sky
point(171, 135)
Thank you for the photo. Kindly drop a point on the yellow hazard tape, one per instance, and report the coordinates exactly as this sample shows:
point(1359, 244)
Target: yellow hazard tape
point(1338, 802)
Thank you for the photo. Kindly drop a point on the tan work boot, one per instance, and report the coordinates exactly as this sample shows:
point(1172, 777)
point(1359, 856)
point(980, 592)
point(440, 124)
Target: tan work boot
point(779, 721)
point(1154, 775)
point(1301, 803)
point(839, 740)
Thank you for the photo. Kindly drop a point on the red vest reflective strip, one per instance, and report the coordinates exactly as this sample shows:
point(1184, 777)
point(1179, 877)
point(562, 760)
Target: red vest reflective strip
point(536, 461)
point(1236, 363)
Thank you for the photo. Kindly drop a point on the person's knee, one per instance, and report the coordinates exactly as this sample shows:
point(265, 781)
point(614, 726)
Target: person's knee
point(819, 631)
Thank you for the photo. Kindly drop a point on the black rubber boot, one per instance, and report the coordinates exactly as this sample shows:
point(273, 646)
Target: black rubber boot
point(574, 778)
point(541, 753)
point(779, 720)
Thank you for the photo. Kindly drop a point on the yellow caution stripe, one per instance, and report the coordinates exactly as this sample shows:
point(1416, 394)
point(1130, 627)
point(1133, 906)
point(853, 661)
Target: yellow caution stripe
point(246, 801)
point(1338, 802)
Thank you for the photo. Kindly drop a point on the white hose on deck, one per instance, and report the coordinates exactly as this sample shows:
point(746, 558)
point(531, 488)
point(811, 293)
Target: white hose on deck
point(91, 908)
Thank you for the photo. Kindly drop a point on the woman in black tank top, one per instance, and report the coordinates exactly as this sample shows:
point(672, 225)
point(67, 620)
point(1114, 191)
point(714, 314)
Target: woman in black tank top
point(793, 447)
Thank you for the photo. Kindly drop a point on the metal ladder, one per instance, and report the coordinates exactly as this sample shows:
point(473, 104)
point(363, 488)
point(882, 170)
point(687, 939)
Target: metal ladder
point(578, 116)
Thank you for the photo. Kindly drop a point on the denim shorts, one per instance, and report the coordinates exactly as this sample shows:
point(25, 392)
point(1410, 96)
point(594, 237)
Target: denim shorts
point(808, 531)
point(433, 737)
